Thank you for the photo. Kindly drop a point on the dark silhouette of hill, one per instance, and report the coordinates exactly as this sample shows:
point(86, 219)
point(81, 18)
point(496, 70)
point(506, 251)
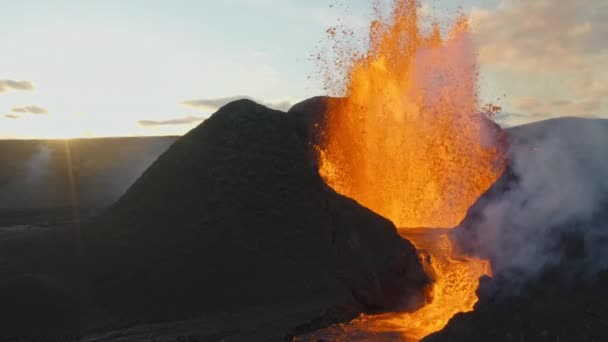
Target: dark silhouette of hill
point(233, 217)
point(231, 234)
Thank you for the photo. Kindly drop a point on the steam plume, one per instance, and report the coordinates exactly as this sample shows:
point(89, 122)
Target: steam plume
point(552, 209)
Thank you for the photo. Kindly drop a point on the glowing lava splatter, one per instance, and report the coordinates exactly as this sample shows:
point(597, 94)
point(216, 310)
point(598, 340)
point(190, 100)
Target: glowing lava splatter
point(408, 142)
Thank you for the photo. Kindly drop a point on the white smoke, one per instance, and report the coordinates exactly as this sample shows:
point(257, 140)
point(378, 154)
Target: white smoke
point(30, 186)
point(557, 204)
point(37, 167)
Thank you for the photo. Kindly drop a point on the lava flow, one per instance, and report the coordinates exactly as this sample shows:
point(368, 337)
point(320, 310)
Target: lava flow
point(408, 142)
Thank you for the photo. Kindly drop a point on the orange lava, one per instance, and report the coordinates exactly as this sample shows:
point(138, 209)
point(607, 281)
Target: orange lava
point(408, 142)
point(452, 292)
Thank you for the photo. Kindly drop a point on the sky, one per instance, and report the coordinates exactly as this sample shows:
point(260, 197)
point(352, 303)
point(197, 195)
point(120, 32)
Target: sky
point(72, 68)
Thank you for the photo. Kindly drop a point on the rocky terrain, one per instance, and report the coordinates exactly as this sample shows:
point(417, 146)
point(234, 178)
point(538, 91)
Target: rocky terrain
point(230, 229)
point(231, 235)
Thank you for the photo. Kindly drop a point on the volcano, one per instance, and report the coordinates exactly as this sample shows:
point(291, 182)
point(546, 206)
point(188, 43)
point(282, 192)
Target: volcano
point(232, 234)
point(394, 210)
point(234, 217)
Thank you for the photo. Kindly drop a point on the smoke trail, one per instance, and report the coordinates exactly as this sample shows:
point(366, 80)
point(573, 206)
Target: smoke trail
point(29, 187)
point(551, 208)
point(36, 168)
point(102, 169)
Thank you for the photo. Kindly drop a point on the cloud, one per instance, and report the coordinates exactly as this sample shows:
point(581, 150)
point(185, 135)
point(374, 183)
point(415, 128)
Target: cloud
point(556, 47)
point(542, 34)
point(11, 116)
point(527, 103)
point(8, 85)
point(255, 53)
point(213, 104)
point(178, 121)
point(543, 108)
point(30, 110)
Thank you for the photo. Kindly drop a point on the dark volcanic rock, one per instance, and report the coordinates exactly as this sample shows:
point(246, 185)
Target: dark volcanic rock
point(40, 292)
point(546, 310)
point(232, 218)
point(35, 306)
point(310, 116)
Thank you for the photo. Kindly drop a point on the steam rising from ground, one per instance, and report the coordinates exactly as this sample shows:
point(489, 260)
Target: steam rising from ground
point(30, 185)
point(36, 174)
point(553, 212)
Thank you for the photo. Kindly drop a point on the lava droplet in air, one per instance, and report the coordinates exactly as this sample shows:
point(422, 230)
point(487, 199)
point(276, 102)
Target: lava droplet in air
point(407, 141)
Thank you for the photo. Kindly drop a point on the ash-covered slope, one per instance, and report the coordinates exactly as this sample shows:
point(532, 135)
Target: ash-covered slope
point(544, 226)
point(232, 218)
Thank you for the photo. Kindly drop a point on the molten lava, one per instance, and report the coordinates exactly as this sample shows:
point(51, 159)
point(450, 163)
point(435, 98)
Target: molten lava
point(408, 142)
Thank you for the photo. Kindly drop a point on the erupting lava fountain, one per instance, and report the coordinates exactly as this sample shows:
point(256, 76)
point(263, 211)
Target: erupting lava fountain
point(408, 142)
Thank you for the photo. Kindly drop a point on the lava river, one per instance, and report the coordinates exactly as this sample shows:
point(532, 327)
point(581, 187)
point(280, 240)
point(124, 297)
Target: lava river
point(408, 141)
